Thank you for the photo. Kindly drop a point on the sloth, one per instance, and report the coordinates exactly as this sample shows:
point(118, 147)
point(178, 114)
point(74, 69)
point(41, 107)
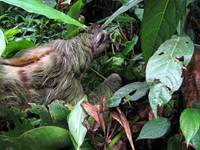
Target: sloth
point(51, 71)
point(106, 89)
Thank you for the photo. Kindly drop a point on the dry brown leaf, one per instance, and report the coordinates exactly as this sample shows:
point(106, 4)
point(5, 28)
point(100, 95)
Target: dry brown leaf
point(91, 110)
point(120, 117)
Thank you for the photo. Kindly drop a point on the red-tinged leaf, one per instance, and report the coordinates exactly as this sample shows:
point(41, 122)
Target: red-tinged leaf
point(120, 117)
point(151, 116)
point(91, 110)
point(95, 126)
point(86, 124)
point(101, 118)
point(126, 128)
point(116, 116)
point(97, 113)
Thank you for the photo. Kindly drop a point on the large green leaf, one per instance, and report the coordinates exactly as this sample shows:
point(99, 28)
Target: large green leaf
point(42, 138)
point(36, 6)
point(74, 12)
point(2, 42)
point(58, 113)
point(164, 69)
point(154, 129)
point(43, 113)
point(196, 140)
point(159, 23)
point(158, 95)
point(174, 143)
point(121, 10)
point(189, 123)
point(166, 64)
point(75, 9)
point(16, 46)
point(139, 89)
point(75, 122)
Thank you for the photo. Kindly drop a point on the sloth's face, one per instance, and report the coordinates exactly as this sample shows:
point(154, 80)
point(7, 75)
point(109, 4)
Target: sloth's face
point(98, 40)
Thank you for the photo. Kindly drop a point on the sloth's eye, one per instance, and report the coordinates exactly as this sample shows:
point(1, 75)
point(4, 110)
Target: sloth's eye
point(101, 37)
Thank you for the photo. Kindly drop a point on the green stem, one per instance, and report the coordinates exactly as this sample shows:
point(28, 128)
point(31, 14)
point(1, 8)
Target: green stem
point(115, 140)
point(100, 75)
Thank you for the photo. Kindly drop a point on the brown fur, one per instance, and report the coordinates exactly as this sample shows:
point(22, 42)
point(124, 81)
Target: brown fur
point(49, 72)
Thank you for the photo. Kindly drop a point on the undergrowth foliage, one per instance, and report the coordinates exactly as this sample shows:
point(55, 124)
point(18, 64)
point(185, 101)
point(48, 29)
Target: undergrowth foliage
point(149, 49)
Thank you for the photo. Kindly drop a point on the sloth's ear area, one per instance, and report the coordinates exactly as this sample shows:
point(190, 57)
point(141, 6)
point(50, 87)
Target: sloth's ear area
point(101, 38)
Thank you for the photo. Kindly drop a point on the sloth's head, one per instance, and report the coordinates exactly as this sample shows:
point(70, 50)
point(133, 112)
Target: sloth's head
point(97, 39)
point(114, 81)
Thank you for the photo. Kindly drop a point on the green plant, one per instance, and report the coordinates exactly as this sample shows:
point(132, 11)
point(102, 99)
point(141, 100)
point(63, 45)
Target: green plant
point(149, 49)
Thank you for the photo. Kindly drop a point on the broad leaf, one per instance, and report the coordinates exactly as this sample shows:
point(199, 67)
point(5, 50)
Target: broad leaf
point(75, 122)
point(41, 138)
point(121, 10)
point(159, 23)
point(174, 143)
point(74, 12)
point(75, 9)
point(196, 140)
point(36, 6)
point(51, 3)
point(158, 95)
point(166, 66)
point(189, 123)
point(2, 42)
point(47, 137)
point(15, 46)
point(139, 89)
point(17, 123)
point(58, 113)
point(154, 129)
point(42, 112)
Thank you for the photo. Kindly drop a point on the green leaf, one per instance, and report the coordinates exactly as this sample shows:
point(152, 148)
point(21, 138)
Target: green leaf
point(139, 89)
point(41, 138)
point(2, 42)
point(158, 95)
point(75, 123)
point(174, 143)
point(15, 46)
point(58, 113)
point(74, 12)
point(17, 123)
point(129, 45)
point(121, 10)
point(12, 32)
point(41, 110)
point(196, 140)
point(75, 9)
point(154, 129)
point(189, 123)
point(159, 23)
point(139, 13)
point(165, 65)
point(44, 138)
point(51, 3)
point(36, 6)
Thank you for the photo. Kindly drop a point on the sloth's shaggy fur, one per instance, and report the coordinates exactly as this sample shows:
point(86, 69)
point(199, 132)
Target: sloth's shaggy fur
point(49, 72)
